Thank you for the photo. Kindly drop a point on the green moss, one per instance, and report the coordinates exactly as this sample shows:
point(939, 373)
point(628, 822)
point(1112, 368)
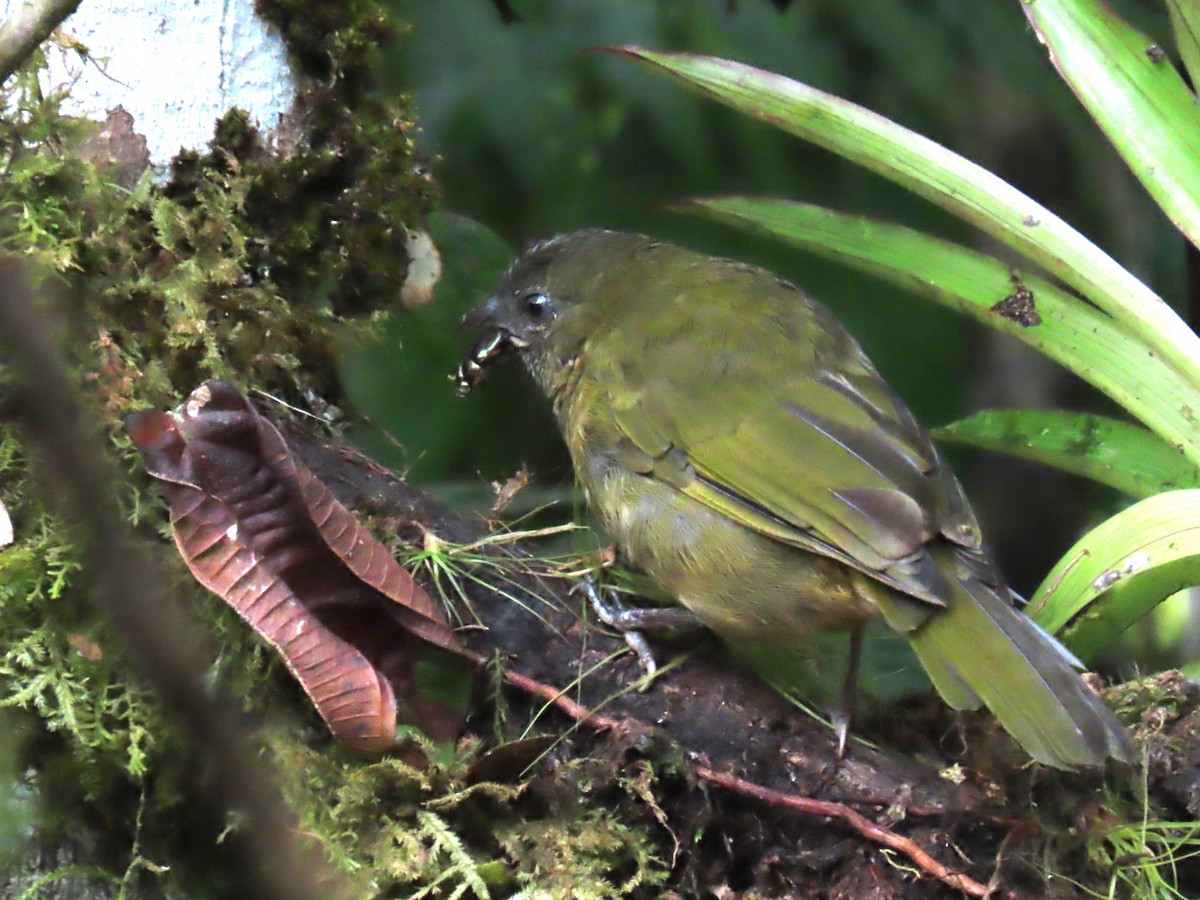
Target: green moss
point(329, 41)
point(585, 850)
point(245, 265)
point(54, 659)
point(395, 830)
point(1150, 700)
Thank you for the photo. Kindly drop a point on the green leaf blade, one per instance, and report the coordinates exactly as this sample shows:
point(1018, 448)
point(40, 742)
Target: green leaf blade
point(947, 179)
point(1115, 453)
point(1130, 88)
point(1185, 23)
point(1120, 571)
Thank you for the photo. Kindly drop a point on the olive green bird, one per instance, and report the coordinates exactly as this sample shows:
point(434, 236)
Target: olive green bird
point(740, 448)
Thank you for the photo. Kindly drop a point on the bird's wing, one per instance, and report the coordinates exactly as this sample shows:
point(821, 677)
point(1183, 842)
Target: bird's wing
point(785, 426)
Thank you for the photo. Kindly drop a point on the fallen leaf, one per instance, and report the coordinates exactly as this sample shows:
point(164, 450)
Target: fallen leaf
point(261, 532)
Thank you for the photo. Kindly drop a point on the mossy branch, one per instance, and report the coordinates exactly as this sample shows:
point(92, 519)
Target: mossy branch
point(43, 400)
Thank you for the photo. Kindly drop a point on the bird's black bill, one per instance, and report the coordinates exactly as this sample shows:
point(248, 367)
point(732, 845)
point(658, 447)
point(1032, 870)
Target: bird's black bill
point(491, 346)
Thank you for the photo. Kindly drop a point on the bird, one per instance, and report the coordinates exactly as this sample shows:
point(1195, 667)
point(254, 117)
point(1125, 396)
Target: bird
point(739, 447)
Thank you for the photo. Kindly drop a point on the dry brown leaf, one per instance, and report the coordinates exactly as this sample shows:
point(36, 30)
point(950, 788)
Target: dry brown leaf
point(262, 533)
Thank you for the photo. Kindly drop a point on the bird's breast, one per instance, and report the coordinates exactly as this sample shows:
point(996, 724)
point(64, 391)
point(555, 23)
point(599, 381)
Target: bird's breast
point(743, 585)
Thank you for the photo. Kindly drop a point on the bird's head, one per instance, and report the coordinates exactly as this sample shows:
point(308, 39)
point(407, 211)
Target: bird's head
point(546, 303)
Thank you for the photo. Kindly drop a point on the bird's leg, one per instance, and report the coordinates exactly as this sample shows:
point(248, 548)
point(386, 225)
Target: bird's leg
point(634, 623)
point(849, 698)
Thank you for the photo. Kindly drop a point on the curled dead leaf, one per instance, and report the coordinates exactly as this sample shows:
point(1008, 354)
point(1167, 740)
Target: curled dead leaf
point(257, 529)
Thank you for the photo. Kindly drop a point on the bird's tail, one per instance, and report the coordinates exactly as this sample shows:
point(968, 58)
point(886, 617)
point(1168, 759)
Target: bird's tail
point(981, 650)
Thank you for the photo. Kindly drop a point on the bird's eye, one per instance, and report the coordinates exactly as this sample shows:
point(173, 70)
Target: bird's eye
point(539, 307)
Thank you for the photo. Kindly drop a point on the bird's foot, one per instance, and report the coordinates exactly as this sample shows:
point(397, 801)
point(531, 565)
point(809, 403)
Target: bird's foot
point(613, 613)
point(841, 729)
point(635, 623)
point(848, 701)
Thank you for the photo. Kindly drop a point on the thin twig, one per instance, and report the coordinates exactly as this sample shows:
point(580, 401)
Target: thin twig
point(855, 820)
point(45, 402)
point(860, 823)
point(552, 695)
point(27, 26)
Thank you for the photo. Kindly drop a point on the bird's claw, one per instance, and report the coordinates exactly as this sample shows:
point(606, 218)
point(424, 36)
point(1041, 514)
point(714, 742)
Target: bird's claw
point(613, 613)
point(841, 729)
point(849, 699)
